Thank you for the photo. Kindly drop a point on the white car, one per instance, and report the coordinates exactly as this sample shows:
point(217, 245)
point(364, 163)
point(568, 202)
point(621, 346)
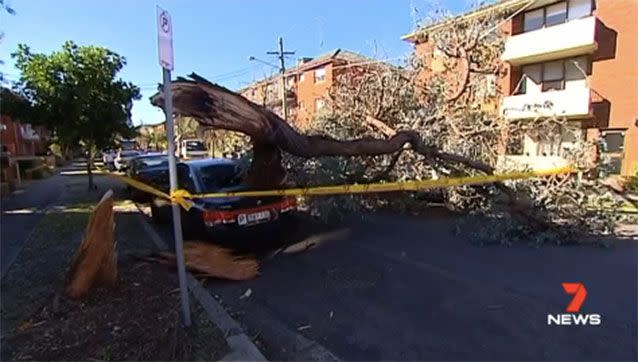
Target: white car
point(123, 158)
point(108, 158)
point(192, 148)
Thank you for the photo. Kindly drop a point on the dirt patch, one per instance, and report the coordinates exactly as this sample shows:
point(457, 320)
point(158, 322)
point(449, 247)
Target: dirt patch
point(139, 320)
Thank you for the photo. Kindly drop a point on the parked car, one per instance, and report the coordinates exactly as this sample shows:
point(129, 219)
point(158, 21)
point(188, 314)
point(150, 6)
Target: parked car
point(123, 158)
point(217, 216)
point(192, 148)
point(147, 168)
point(108, 158)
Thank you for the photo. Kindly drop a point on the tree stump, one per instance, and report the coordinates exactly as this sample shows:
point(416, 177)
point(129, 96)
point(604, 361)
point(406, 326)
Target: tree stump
point(95, 261)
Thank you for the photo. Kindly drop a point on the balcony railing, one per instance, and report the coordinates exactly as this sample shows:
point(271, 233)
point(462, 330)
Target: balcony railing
point(569, 103)
point(575, 37)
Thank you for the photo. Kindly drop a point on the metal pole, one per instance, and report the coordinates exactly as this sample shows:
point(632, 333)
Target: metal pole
point(177, 220)
point(282, 70)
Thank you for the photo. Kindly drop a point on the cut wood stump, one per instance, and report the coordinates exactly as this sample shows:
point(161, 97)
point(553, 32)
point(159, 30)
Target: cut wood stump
point(95, 261)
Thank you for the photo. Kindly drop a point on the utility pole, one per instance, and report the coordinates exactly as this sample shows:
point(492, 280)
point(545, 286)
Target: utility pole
point(282, 69)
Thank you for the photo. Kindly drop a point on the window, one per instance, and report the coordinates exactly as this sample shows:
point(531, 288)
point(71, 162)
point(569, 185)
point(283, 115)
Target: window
point(302, 105)
point(579, 9)
point(320, 75)
point(301, 77)
point(194, 146)
point(576, 70)
point(557, 75)
point(217, 177)
point(553, 76)
point(612, 144)
point(533, 20)
point(555, 14)
point(319, 104)
point(613, 141)
point(531, 79)
point(184, 180)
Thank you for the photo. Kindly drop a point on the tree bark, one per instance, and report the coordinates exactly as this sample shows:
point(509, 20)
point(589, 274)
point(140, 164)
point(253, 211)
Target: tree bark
point(89, 165)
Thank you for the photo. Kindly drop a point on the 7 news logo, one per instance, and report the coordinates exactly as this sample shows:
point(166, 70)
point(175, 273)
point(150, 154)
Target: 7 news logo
point(572, 317)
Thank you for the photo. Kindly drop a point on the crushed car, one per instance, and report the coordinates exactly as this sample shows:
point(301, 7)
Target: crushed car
point(218, 216)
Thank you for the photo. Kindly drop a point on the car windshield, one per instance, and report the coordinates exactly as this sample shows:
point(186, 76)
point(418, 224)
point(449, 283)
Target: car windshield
point(195, 146)
point(215, 177)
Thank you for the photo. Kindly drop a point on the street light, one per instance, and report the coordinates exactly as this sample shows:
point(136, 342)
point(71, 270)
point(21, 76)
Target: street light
point(255, 59)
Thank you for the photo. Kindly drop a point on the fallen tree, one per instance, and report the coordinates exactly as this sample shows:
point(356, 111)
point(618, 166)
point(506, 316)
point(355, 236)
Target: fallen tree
point(217, 107)
point(387, 123)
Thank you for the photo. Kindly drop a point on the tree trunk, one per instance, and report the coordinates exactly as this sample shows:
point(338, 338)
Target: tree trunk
point(215, 106)
point(89, 166)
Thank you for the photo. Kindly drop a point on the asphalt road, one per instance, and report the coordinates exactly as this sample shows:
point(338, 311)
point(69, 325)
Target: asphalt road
point(406, 288)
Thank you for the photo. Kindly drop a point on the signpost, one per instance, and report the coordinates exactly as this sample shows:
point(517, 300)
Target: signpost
point(165, 44)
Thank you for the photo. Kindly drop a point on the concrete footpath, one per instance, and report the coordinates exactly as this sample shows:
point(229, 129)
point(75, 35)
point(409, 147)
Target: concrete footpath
point(21, 212)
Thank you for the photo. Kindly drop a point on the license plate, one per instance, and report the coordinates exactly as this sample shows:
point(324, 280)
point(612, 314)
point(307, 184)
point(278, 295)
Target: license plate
point(245, 219)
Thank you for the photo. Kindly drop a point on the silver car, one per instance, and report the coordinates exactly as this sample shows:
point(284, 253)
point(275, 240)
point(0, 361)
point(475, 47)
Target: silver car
point(123, 159)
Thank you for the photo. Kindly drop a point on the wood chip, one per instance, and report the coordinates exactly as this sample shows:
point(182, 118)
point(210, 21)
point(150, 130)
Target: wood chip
point(246, 294)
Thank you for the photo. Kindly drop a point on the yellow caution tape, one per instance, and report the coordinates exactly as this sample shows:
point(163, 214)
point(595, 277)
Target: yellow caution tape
point(183, 197)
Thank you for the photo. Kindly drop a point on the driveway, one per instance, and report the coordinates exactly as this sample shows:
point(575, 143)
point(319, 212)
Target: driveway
point(406, 288)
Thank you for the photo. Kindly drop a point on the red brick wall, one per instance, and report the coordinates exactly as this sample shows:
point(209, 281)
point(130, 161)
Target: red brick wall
point(308, 91)
point(614, 79)
point(10, 136)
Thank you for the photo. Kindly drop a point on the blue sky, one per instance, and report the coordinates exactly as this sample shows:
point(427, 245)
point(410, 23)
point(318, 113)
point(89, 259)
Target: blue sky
point(212, 37)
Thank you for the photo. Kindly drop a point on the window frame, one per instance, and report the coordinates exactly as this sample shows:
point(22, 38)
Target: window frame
point(323, 78)
point(560, 81)
point(566, 2)
point(544, 8)
point(609, 131)
point(522, 89)
point(618, 155)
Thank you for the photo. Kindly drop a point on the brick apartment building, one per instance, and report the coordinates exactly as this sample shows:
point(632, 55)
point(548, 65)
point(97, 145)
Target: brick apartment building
point(22, 139)
point(578, 58)
point(307, 85)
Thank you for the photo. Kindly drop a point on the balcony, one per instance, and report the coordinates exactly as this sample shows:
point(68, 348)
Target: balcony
point(532, 163)
point(575, 37)
point(569, 103)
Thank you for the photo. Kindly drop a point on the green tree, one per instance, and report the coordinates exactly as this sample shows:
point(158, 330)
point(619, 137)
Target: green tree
point(76, 93)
